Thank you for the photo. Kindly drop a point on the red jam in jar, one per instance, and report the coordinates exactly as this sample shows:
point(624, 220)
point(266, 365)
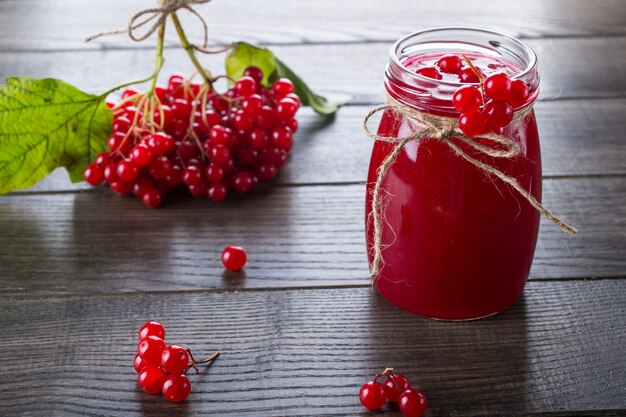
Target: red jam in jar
point(457, 243)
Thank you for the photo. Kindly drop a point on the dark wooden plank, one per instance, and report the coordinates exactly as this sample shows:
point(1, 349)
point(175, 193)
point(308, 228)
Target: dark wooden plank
point(335, 151)
point(295, 236)
point(305, 353)
point(571, 68)
point(34, 24)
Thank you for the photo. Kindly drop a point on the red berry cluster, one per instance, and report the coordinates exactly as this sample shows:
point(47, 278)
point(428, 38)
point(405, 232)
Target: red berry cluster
point(162, 368)
point(489, 106)
point(397, 389)
point(208, 142)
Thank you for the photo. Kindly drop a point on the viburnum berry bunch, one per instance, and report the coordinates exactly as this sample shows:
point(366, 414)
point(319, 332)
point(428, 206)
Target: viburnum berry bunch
point(490, 106)
point(397, 389)
point(189, 135)
point(161, 368)
point(193, 133)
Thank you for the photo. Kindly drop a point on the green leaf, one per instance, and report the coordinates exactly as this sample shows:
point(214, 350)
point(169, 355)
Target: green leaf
point(244, 55)
point(307, 97)
point(46, 124)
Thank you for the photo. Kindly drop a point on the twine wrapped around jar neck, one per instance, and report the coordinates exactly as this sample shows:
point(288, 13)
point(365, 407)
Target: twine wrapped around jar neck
point(444, 129)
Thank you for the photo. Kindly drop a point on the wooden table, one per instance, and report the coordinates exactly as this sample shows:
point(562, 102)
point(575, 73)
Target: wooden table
point(81, 269)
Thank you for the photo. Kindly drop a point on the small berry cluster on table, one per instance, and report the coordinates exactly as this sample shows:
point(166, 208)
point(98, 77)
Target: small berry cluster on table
point(162, 368)
point(396, 389)
point(191, 135)
point(486, 107)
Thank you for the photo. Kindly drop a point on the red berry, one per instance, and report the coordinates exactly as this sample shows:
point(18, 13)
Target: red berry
point(181, 109)
point(372, 395)
point(219, 104)
point(102, 159)
point(255, 73)
point(141, 155)
point(412, 403)
point(93, 174)
point(129, 92)
point(220, 154)
point(192, 176)
point(247, 155)
point(234, 258)
point(245, 86)
point(244, 181)
point(295, 98)
point(150, 349)
point(251, 105)
point(496, 86)
point(473, 123)
point(119, 142)
point(127, 170)
point(429, 72)
point(188, 150)
point(110, 172)
point(450, 64)
point(258, 138)
point(121, 125)
point(161, 93)
point(243, 122)
point(467, 98)
point(176, 388)
point(281, 138)
point(266, 117)
point(121, 187)
point(214, 173)
point(395, 385)
point(217, 192)
point(159, 168)
point(174, 359)
point(220, 135)
point(286, 109)
point(292, 124)
point(152, 198)
point(274, 156)
point(282, 87)
point(197, 190)
point(161, 143)
point(175, 82)
point(139, 189)
point(517, 93)
point(138, 363)
point(266, 171)
point(467, 75)
point(499, 113)
point(151, 378)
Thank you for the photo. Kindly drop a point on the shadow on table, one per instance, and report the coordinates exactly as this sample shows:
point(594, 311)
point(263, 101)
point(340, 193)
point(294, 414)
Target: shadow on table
point(468, 368)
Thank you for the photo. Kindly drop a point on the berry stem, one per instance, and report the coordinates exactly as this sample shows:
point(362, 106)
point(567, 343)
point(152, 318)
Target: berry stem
point(189, 48)
point(475, 70)
point(193, 362)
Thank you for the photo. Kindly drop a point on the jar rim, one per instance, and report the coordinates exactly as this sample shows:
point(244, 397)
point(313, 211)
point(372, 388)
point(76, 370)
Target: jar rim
point(395, 55)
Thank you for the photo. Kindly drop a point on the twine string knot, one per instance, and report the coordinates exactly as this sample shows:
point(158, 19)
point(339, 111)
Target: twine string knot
point(157, 17)
point(429, 126)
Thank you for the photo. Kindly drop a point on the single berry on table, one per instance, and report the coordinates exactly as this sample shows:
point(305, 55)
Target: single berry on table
point(234, 258)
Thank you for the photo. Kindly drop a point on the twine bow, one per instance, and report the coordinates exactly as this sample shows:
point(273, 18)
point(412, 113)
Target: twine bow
point(157, 15)
point(444, 129)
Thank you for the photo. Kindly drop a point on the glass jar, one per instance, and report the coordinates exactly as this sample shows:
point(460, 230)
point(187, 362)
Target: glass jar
point(457, 243)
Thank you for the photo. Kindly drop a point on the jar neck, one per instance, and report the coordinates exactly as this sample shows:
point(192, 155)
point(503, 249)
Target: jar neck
point(435, 96)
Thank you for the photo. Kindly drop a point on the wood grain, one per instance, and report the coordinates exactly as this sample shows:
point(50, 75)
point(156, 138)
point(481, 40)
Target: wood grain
point(335, 150)
point(295, 236)
point(345, 71)
point(306, 353)
point(45, 25)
